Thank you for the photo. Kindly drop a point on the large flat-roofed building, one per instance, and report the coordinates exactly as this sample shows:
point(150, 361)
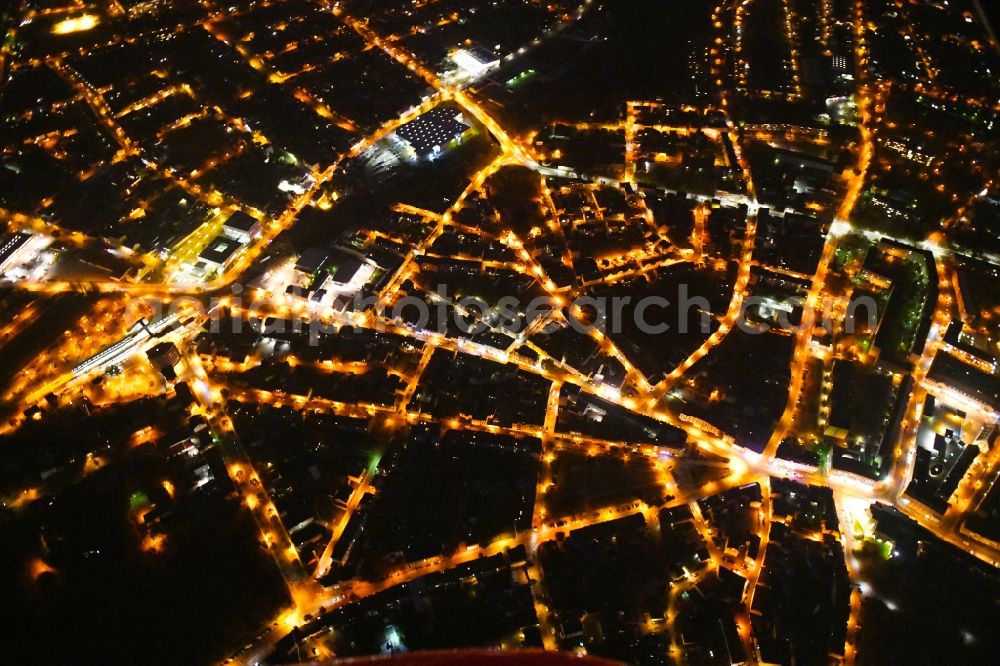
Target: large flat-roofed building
point(959, 344)
point(329, 278)
point(310, 261)
point(344, 267)
point(241, 227)
point(11, 246)
point(428, 133)
point(475, 61)
point(219, 253)
point(965, 386)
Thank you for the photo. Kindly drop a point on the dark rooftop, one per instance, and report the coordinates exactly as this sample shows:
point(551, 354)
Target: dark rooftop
point(220, 250)
point(241, 222)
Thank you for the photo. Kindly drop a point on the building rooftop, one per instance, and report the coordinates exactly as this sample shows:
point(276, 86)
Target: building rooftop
point(240, 221)
point(432, 129)
point(311, 260)
point(475, 60)
point(978, 385)
point(11, 244)
point(220, 250)
point(343, 267)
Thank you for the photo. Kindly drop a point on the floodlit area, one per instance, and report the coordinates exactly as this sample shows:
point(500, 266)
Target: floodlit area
point(76, 24)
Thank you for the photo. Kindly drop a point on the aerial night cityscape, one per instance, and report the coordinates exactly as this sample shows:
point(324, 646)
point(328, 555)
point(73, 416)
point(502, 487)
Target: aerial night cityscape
point(500, 331)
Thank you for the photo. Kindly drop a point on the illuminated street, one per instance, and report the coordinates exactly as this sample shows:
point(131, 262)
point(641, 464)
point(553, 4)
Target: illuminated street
point(663, 333)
